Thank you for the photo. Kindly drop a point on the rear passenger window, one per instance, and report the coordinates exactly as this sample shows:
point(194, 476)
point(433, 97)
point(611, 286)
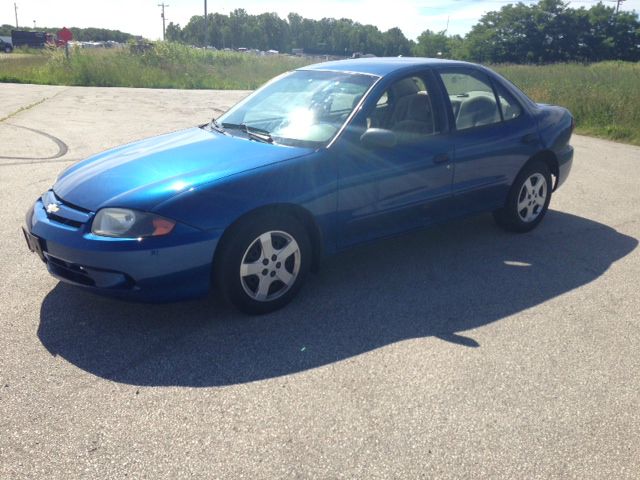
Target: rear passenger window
point(472, 99)
point(509, 105)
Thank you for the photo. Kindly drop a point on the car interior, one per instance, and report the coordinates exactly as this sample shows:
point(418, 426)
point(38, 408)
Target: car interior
point(473, 109)
point(405, 108)
point(474, 102)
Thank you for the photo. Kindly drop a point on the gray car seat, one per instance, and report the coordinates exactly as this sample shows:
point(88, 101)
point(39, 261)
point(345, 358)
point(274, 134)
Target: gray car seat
point(418, 118)
point(477, 111)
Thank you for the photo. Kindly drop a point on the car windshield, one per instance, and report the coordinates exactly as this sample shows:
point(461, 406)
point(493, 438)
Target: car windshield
point(301, 108)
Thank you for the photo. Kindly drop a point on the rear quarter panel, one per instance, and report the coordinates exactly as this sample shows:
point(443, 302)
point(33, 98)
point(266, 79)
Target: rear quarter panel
point(555, 126)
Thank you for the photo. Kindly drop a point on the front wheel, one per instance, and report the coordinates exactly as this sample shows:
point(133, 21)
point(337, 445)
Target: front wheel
point(263, 263)
point(528, 199)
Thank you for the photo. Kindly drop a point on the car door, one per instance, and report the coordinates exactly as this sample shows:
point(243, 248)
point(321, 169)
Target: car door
point(389, 188)
point(494, 136)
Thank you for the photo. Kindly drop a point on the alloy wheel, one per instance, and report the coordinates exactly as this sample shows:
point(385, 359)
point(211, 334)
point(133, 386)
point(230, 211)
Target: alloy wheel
point(270, 266)
point(532, 197)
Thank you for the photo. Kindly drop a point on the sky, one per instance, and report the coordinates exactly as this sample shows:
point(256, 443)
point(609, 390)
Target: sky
point(142, 17)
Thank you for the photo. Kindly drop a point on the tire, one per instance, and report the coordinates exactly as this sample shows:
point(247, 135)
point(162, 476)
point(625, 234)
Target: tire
point(8, 49)
point(528, 199)
point(256, 283)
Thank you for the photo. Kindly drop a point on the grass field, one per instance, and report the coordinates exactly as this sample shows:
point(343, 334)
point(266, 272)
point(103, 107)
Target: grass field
point(604, 97)
point(165, 66)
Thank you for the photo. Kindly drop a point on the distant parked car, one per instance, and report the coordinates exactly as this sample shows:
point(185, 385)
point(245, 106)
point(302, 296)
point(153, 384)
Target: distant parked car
point(318, 160)
point(5, 47)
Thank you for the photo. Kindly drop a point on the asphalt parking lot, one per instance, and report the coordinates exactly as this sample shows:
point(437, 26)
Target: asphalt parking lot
point(457, 352)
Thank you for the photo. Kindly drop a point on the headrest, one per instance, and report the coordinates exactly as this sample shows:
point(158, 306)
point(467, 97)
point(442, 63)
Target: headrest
point(404, 87)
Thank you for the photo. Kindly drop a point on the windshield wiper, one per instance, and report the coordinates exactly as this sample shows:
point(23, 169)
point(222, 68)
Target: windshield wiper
point(217, 127)
point(253, 133)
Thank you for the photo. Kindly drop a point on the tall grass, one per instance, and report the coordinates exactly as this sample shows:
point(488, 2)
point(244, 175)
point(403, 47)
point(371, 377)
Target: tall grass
point(603, 97)
point(165, 65)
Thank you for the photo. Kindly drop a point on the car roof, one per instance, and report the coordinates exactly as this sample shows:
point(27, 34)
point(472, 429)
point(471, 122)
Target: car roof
point(380, 66)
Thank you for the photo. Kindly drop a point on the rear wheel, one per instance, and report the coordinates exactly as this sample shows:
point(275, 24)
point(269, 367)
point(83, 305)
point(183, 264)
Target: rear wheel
point(8, 49)
point(528, 199)
point(263, 263)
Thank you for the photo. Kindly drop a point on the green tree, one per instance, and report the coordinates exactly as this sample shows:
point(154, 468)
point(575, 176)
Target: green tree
point(433, 45)
point(548, 31)
point(395, 43)
point(551, 31)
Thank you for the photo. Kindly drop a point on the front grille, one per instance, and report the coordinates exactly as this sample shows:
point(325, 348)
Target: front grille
point(65, 221)
point(71, 205)
point(65, 213)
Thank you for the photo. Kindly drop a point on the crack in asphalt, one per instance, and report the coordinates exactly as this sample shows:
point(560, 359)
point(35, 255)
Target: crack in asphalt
point(24, 109)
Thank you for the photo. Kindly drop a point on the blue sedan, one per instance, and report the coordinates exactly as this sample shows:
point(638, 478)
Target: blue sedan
point(316, 161)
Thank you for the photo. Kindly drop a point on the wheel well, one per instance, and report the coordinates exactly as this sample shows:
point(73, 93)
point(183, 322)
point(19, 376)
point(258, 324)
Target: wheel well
point(299, 213)
point(551, 160)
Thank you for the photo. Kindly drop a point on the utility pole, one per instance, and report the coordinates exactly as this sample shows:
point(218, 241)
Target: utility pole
point(15, 7)
point(205, 24)
point(617, 2)
point(163, 5)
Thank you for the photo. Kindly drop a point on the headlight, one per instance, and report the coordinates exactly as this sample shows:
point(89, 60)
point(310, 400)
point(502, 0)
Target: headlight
point(125, 223)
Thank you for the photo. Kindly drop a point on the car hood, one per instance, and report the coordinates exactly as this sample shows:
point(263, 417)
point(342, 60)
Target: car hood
point(142, 174)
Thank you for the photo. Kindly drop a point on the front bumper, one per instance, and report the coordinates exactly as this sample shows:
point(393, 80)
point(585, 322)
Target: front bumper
point(154, 269)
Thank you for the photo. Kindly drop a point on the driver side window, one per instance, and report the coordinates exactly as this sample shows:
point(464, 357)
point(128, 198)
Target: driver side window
point(405, 108)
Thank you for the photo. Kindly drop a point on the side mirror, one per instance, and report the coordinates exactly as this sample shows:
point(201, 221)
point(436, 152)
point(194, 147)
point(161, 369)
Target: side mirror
point(379, 138)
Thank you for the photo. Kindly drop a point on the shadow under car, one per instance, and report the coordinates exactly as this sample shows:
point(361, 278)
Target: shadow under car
point(437, 282)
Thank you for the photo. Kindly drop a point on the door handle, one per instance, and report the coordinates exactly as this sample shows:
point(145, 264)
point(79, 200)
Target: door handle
point(441, 158)
point(529, 138)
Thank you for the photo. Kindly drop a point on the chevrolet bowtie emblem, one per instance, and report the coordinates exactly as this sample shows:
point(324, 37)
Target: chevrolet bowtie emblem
point(52, 208)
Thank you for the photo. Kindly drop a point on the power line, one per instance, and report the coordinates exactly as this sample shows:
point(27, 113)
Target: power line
point(163, 5)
